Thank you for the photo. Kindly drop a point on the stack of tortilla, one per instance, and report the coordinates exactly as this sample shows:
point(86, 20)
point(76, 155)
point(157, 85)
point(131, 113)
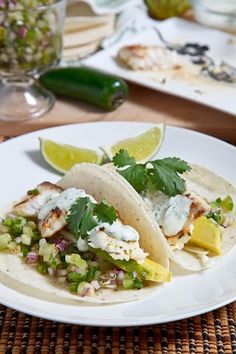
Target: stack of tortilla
point(84, 30)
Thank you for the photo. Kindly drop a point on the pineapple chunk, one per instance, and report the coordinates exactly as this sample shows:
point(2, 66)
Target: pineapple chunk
point(206, 235)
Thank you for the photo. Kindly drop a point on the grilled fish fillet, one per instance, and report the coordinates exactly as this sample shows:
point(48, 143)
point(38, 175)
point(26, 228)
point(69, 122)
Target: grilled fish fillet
point(54, 222)
point(149, 58)
point(32, 203)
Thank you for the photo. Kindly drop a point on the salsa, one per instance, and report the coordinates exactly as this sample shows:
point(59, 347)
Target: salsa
point(30, 34)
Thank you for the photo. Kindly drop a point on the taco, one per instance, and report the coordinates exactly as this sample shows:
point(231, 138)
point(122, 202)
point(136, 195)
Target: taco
point(83, 238)
point(195, 212)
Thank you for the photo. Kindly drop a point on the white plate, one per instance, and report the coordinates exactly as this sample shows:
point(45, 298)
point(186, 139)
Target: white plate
point(206, 91)
point(22, 168)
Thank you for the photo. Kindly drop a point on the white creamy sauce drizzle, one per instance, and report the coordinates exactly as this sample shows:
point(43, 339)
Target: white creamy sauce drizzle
point(176, 215)
point(82, 244)
point(116, 248)
point(64, 201)
point(118, 240)
point(170, 212)
point(118, 230)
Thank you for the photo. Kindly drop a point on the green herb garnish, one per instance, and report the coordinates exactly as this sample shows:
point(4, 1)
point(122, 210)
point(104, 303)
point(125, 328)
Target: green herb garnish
point(225, 204)
point(33, 192)
point(43, 268)
point(25, 250)
point(15, 225)
point(220, 207)
point(75, 277)
point(162, 174)
point(73, 287)
point(84, 215)
point(216, 215)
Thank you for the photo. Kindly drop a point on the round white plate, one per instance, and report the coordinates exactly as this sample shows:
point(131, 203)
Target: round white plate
point(22, 167)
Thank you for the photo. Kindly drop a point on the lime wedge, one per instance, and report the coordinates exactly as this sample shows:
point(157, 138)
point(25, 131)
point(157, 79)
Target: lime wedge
point(62, 156)
point(142, 147)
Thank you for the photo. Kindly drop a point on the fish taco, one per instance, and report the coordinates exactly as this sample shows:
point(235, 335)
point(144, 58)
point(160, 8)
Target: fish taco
point(84, 238)
point(193, 207)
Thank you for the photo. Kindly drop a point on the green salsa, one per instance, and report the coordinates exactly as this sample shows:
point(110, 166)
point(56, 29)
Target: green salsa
point(30, 34)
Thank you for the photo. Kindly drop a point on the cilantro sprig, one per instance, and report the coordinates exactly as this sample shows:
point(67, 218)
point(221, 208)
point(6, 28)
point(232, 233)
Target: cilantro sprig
point(84, 215)
point(33, 192)
point(161, 174)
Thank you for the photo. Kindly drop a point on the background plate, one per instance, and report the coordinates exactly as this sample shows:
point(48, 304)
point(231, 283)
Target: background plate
point(222, 47)
point(187, 295)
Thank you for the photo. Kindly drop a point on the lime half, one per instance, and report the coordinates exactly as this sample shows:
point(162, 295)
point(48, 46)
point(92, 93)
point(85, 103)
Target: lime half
point(142, 147)
point(63, 157)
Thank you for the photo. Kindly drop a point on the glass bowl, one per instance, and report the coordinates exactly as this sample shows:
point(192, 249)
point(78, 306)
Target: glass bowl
point(31, 34)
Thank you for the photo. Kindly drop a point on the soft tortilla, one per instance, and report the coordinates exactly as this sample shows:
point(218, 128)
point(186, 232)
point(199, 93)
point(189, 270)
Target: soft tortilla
point(100, 183)
point(16, 274)
point(210, 186)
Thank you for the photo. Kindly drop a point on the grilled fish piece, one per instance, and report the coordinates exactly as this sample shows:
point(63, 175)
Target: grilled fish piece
point(149, 58)
point(199, 206)
point(54, 222)
point(52, 215)
point(35, 199)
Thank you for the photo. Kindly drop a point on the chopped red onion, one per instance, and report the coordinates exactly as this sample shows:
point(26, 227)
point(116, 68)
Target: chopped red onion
point(116, 270)
point(22, 31)
point(60, 244)
point(85, 292)
point(31, 257)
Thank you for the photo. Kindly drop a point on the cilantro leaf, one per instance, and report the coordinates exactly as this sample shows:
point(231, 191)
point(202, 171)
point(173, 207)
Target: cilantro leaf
point(136, 175)
point(122, 159)
point(105, 212)
point(166, 179)
point(82, 216)
point(176, 164)
point(162, 174)
point(33, 192)
point(216, 215)
point(87, 220)
point(220, 207)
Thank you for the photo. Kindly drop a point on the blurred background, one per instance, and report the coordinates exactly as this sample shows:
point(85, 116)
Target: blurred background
point(36, 35)
point(89, 22)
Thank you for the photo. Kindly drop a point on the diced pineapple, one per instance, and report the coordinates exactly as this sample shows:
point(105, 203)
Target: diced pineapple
point(206, 235)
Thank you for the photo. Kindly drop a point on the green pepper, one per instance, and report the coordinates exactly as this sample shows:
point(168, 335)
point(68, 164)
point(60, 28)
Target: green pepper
point(103, 90)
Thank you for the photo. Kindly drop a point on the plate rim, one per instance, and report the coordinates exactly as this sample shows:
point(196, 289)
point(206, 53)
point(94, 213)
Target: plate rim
point(137, 321)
